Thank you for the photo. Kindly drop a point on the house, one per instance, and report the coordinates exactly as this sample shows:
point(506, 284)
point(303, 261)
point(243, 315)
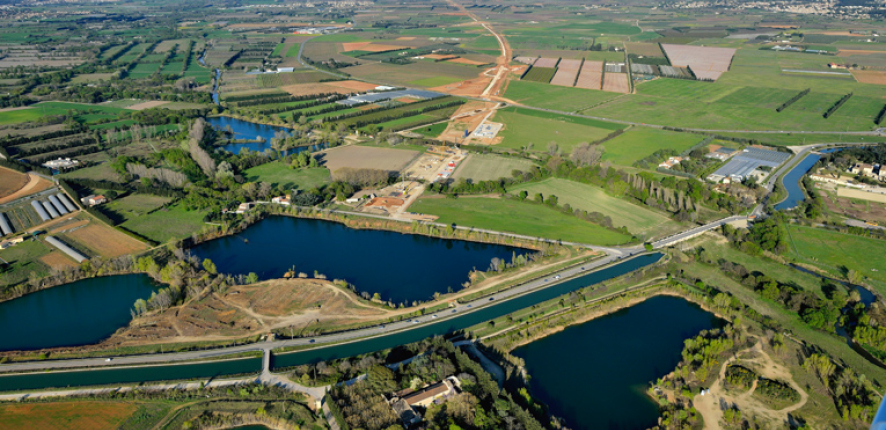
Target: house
point(285, 201)
point(11, 242)
point(721, 153)
point(243, 208)
point(863, 169)
point(428, 395)
point(92, 200)
point(838, 66)
point(672, 161)
point(408, 416)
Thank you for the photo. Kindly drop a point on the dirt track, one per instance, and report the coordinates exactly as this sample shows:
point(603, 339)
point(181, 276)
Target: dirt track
point(35, 185)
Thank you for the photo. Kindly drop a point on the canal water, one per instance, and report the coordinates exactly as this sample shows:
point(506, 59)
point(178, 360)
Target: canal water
point(792, 183)
point(114, 376)
point(594, 375)
point(80, 313)
point(400, 267)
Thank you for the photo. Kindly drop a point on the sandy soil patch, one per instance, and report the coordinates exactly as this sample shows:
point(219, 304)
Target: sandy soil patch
point(386, 202)
point(106, 241)
point(57, 260)
point(466, 61)
point(469, 116)
point(354, 46)
point(406, 100)
point(11, 181)
point(471, 87)
point(405, 38)
point(147, 105)
point(439, 56)
point(616, 82)
point(852, 52)
point(870, 77)
point(358, 86)
point(35, 185)
point(861, 194)
point(364, 157)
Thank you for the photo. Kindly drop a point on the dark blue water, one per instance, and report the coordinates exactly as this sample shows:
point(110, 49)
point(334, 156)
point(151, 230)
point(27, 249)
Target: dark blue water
point(250, 130)
point(215, 86)
point(497, 309)
point(81, 313)
point(792, 183)
point(115, 376)
point(594, 375)
point(400, 267)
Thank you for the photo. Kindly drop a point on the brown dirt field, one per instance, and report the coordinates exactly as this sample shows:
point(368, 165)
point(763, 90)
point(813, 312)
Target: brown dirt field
point(68, 226)
point(405, 38)
point(354, 85)
point(57, 260)
point(466, 61)
point(106, 241)
point(644, 49)
point(382, 47)
point(387, 202)
point(11, 181)
point(354, 46)
point(147, 105)
point(616, 82)
point(35, 185)
point(470, 87)
point(406, 100)
point(853, 208)
point(363, 157)
point(870, 77)
point(65, 415)
point(851, 52)
point(312, 89)
point(439, 56)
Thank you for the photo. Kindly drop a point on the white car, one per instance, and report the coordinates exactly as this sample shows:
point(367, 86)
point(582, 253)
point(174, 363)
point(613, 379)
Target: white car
point(108, 360)
point(557, 277)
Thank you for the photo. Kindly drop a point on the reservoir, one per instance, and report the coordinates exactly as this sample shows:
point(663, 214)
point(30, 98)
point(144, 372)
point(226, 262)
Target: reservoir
point(252, 131)
point(112, 376)
point(400, 267)
point(594, 375)
point(80, 313)
point(792, 183)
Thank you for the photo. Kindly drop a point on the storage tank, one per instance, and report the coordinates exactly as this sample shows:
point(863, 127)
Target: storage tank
point(4, 225)
point(58, 205)
point(64, 199)
point(51, 210)
point(40, 211)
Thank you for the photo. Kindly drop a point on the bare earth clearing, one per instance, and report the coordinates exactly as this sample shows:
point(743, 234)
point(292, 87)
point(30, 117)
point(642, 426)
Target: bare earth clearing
point(147, 105)
point(11, 181)
point(35, 185)
point(362, 157)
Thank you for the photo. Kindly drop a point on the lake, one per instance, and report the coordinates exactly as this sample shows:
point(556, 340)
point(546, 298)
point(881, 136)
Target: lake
point(80, 313)
point(400, 267)
point(594, 375)
point(791, 183)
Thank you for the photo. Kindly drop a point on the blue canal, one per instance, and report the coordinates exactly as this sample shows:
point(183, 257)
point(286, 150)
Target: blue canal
point(792, 183)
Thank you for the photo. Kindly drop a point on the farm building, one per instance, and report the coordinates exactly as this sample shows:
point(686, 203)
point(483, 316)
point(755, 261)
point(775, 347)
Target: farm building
point(78, 257)
point(92, 200)
point(671, 162)
point(40, 210)
point(61, 163)
point(390, 95)
point(746, 163)
point(721, 153)
point(67, 203)
point(11, 242)
point(282, 201)
point(5, 227)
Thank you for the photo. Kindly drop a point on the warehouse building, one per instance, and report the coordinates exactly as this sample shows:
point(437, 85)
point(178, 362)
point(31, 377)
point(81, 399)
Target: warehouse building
point(747, 163)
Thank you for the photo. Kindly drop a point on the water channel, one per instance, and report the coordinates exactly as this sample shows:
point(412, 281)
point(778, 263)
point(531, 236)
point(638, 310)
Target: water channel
point(791, 182)
point(80, 313)
point(594, 375)
point(42, 380)
point(400, 267)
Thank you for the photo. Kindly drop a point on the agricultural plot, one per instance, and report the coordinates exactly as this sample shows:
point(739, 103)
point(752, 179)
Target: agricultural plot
point(637, 219)
point(488, 167)
point(365, 157)
point(11, 181)
point(567, 72)
point(616, 83)
point(539, 74)
point(66, 415)
point(523, 218)
point(638, 143)
point(168, 223)
point(835, 252)
point(546, 63)
point(591, 75)
point(436, 81)
point(97, 238)
point(274, 80)
point(24, 258)
point(134, 205)
point(531, 129)
point(281, 175)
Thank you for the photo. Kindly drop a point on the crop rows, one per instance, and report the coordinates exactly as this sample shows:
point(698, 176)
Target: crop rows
point(540, 74)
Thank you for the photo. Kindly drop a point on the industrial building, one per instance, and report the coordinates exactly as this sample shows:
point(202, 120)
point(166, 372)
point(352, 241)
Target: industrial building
point(746, 163)
point(390, 95)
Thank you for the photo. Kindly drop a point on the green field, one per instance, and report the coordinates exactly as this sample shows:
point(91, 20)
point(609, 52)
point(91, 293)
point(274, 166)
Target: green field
point(165, 224)
point(540, 74)
point(589, 198)
point(435, 81)
point(556, 97)
point(487, 167)
point(835, 252)
point(525, 126)
point(522, 218)
point(432, 130)
point(278, 174)
point(23, 259)
point(135, 205)
point(13, 116)
point(641, 142)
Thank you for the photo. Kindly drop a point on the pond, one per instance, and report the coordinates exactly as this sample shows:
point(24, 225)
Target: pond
point(42, 380)
point(80, 313)
point(252, 131)
point(791, 183)
point(594, 375)
point(400, 267)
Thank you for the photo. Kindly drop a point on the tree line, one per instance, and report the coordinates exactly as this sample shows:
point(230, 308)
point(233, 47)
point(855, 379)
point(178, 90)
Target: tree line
point(792, 100)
